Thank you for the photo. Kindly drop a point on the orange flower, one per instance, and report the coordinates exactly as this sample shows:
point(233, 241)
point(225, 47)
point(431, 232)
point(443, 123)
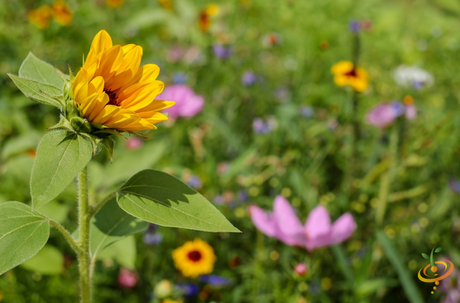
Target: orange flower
point(62, 13)
point(41, 16)
point(114, 3)
point(112, 91)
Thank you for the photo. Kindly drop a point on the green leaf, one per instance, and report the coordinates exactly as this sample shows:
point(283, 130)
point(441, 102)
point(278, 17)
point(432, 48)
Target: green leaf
point(60, 157)
point(438, 249)
point(22, 234)
point(40, 71)
point(112, 224)
point(48, 261)
point(159, 198)
point(425, 256)
point(124, 252)
point(412, 293)
point(40, 92)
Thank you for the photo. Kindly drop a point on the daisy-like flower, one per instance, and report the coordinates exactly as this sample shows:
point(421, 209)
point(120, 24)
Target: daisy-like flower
point(194, 258)
point(345, 73)
point(62, 13)
point(41, 16)
point(112, 91)
point(412, 76)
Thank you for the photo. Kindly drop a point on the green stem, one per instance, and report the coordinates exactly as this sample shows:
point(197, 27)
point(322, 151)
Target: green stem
point(84, 255)
point(66, 235)
point(387, 178)
point(99, 205)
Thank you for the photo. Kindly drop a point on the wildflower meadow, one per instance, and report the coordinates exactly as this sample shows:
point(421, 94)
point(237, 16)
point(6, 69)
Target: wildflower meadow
point(179, 151)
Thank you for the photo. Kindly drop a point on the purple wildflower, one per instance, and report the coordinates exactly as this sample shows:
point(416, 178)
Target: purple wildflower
point(222, 51)
point(354, 26)
point(306, 111)
point(248, 78)
point(188, 289)
point(215, 280)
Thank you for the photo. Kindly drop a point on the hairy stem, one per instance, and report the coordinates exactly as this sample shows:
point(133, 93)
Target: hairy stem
point(66, 235)
point(84, 255)
point(99, 205)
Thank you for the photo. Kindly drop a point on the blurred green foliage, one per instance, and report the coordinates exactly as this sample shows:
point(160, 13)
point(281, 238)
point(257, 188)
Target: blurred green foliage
point(307, 159)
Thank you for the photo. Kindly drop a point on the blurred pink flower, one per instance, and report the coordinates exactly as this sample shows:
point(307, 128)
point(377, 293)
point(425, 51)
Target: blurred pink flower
point(381, 116)
point(127, 278)
point(188, 104)
point(134, 143)
point(317, 232)
point(384, 114)
point(301, 269)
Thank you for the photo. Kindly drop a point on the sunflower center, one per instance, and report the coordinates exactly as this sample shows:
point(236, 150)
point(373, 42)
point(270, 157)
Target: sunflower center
point(194, 255)
point(113, 98)
point(352, 73)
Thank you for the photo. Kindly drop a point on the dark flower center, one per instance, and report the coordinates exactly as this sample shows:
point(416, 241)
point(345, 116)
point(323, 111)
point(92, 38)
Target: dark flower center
point(194, 256)
point(113, 98)
point(352, 73)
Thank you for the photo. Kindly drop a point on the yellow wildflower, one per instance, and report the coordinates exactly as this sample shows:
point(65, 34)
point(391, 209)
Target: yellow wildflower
point(41, 16)
point(194, 258)
point(114, 3)
point(205, 16)
point(345, 73)
point(62, 13)
point(112, 91)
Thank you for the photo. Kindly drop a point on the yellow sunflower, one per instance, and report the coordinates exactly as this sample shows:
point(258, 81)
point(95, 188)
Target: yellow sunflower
point(194, 258)
point(345, 73)
point(112, 91)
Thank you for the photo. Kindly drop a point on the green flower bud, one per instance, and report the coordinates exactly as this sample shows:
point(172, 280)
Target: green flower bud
point(80, 125)
point(163, 289)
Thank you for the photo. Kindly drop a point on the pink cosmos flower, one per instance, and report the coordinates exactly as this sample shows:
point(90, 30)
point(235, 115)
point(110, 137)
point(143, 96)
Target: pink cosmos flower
point(317, 232)
point(188, 104)
point(127, 278)
point(384, 114)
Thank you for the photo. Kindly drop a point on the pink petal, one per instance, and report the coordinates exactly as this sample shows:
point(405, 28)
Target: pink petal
point(411, 112)
point(317, 228)
point(381, 115)
point(342, 229)
point(318, 222)
point(290, 228)
point(263, 221)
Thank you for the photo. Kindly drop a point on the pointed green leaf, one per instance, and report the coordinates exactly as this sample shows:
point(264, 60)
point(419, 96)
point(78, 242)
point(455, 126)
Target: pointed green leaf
point(22, 234)
point(438, 249)
point(35, 69)
point(159, 198)
point(40, 92)
point(48, 261)
point(425, 256)
point(112, 224)
point(407, 280)
point(60, 157)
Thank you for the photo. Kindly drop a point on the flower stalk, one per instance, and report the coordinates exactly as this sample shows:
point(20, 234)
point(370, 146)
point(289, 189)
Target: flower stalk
point(84, 255)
